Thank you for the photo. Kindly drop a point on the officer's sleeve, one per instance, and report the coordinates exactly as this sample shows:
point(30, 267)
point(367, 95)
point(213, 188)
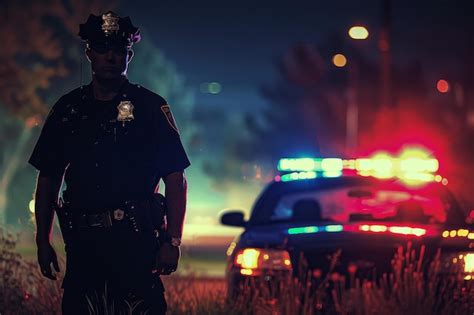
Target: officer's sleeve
point(171, 154)
point(48, 154)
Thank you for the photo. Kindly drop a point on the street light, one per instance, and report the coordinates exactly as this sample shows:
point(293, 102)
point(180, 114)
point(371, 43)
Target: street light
point(358, 32)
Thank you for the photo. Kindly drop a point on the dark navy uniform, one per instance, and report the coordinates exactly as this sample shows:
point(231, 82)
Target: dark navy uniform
point(109, 160)
point(112, 152)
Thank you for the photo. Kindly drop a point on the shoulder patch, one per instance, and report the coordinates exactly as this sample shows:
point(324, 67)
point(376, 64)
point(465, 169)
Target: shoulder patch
point(169, 117)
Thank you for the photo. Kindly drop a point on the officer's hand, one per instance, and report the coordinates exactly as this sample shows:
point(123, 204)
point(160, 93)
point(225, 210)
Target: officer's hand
point(46, 257)
point(167, 259)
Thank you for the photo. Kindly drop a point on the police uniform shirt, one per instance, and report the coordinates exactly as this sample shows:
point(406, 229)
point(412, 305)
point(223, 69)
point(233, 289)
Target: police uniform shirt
point(109, 160)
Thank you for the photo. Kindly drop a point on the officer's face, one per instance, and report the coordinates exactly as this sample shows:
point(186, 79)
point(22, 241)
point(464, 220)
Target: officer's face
point(109, 62)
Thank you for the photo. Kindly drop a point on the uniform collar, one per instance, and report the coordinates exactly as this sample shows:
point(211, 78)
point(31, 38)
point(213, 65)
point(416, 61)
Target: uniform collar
point(123, 93)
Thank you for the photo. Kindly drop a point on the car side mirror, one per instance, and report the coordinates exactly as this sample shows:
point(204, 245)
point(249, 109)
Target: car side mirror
point(233, 218)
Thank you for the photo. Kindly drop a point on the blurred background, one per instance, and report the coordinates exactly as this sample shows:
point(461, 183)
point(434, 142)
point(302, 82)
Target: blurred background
point(249, 83)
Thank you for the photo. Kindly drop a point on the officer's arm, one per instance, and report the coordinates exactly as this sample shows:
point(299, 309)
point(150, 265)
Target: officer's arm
point(176, 191)
point(46, 195)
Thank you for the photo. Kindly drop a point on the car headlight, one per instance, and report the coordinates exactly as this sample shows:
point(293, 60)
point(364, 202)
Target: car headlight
point(469, 263)
point(460, 262)
point(252, 261)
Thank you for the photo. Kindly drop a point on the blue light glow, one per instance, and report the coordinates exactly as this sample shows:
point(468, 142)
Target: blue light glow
point(334, 228)
point(311, 164)
point(316, 229)
point(303, 230)
point(298, 176)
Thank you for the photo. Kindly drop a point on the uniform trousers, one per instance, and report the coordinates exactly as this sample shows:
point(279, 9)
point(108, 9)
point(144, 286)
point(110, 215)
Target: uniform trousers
point(109, 271)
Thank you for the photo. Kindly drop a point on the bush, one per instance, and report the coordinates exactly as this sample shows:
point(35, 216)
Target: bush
point(23, 290)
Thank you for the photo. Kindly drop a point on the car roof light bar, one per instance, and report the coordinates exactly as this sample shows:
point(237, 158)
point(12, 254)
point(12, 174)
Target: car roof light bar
point(413, 170)
point(378, 164)
point(381, 228)
point(374, 228)
point(298, 176)
point(334, 228)
point(310, 164)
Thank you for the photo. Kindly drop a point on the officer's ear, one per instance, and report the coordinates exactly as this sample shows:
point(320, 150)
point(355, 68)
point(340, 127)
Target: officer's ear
point(130, 53)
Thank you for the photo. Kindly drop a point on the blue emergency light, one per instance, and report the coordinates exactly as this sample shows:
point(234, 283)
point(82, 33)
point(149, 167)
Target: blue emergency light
point(412, 166)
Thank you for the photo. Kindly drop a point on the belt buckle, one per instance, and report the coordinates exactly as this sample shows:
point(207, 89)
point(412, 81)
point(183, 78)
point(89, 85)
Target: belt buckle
point(119, 214)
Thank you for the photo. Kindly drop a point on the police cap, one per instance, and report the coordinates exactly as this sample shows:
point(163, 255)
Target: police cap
point(109, 29)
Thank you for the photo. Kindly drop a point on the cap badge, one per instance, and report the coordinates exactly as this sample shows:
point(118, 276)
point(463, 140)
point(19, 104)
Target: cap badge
point(125, 111)
point(110, 23)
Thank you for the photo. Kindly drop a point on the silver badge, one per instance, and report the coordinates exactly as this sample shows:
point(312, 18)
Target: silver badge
point(110, 23)
point(119, 214)
point(125, 111)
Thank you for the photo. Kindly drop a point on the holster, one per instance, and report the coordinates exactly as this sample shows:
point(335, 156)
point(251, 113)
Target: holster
point(148, 216)
point(158, 212)
point(65, 219)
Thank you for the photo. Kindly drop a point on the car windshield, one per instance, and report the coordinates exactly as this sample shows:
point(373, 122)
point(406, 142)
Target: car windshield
point(362, 203)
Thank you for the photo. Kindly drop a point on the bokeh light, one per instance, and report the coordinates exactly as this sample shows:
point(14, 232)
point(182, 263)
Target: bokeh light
point(210, 87)
point(339, 60)
point(358, 32)
point(214, 88)
point(442, 86)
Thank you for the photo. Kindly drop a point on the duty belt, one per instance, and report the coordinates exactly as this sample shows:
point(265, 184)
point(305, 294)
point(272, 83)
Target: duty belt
point(106, 219)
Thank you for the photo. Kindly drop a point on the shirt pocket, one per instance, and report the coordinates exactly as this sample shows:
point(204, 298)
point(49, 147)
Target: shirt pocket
point(125, 133)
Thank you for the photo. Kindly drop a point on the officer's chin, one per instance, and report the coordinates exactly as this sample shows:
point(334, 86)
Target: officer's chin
point(109, 75)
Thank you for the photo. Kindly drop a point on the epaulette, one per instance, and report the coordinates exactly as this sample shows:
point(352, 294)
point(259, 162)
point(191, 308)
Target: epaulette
point(148, 94)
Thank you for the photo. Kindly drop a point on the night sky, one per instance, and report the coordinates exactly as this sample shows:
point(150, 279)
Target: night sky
point(240, 44)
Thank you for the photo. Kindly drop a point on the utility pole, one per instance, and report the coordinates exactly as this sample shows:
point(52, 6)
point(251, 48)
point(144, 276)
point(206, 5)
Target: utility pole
point(469, 80)
point(386, 98)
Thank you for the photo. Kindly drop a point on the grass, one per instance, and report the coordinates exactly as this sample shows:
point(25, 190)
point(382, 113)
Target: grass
point(23, 290)
point(408, 289)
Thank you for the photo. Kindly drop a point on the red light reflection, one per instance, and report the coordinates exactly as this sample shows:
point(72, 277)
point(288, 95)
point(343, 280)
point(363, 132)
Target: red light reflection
point(442, 86)
point(404, 230)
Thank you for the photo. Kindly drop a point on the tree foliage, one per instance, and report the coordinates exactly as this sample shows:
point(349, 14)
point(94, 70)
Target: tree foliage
point(150, 68)
point(39, 58)
point(34, 37)
point(307, 114)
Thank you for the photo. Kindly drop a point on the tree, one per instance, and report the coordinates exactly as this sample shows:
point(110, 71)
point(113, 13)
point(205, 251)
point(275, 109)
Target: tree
point(37, 50)
point(151, 69)
point(307, 116)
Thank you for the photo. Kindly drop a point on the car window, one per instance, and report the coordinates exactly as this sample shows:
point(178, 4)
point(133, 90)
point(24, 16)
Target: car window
point(361, 203)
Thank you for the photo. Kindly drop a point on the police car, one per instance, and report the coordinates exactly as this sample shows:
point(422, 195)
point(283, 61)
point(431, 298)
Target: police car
point(365, 208)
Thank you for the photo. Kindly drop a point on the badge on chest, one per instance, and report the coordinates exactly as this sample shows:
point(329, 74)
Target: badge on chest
point(125, 111)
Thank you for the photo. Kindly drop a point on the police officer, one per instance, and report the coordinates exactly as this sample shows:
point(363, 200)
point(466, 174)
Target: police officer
point(111, 141)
